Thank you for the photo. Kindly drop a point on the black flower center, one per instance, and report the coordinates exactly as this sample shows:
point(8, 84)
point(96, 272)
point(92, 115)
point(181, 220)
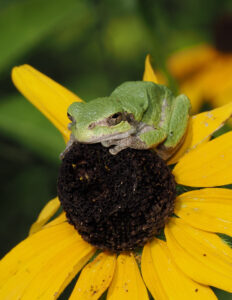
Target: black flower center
point(119, 202)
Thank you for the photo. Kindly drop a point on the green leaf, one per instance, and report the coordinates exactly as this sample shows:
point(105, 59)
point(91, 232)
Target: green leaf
point(22, 122)
point(24, 23)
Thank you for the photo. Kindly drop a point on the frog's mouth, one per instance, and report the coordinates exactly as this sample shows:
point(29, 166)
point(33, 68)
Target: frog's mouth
point(112, 137)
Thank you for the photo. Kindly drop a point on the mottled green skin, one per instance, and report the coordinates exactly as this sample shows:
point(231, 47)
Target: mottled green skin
point(150, 117)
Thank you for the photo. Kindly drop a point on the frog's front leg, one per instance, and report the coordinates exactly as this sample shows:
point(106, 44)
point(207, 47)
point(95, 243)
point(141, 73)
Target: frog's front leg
point(130, 142)
point(147, 138)
point(177, 127)
point(68, 146)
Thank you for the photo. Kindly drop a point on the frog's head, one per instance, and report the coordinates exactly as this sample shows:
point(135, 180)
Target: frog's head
point(100, 120)
point(111, 120)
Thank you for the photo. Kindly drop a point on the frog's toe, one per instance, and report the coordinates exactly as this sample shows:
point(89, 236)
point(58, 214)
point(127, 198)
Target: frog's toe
point(106, 143)
point(115, 150)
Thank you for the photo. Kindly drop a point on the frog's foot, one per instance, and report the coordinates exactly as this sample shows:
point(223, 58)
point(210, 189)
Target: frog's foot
point(108, 143)
point(129, 142)
point(166, 153)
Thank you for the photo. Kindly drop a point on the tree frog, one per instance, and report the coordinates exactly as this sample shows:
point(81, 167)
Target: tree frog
point(138, 115)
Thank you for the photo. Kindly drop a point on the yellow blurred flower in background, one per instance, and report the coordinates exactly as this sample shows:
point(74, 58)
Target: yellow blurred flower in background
point(204, 75)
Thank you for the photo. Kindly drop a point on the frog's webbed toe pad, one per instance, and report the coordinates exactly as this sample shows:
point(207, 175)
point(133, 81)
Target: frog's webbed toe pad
point(115, 150)
point(118, 145)
point(108, 143)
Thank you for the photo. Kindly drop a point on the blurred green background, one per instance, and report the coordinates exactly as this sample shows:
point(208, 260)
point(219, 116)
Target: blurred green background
point(90, 47)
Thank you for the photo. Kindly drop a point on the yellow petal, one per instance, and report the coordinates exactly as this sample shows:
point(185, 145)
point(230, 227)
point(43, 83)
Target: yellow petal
point(127, 283)
point(48, 96)
point(165, 280)
point(207, 209)
point(187, 61)
point(201, 255)
point(38, 256)
point(161, 77)
point(58, 220)
point(149, 73)
point(95, 278)
point(37, 243)
point(207, 166)
point(150, 275)
point(47, 212)
point(201, 127)
point(53, 277)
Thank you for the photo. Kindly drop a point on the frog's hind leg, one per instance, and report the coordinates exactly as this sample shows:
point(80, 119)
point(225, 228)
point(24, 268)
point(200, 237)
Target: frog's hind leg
point(166, 153)
point(177, 126)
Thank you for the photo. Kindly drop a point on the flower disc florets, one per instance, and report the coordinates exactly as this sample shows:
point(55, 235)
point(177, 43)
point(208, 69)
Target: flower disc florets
point(119, 202)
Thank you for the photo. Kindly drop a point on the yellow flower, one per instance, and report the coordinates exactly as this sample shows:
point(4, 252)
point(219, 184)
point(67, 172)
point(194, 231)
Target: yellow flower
point(192, 258)
point(204, 75)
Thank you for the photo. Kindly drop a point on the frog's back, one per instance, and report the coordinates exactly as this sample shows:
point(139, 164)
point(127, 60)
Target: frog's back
point(147, 101)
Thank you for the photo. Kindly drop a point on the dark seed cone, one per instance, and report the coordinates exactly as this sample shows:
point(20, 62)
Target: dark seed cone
point(119, 202)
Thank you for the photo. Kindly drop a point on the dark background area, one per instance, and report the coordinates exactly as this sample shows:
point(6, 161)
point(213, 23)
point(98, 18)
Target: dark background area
point(89, 47)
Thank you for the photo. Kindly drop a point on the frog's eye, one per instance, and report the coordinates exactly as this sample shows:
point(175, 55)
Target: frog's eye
point(115, 119)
